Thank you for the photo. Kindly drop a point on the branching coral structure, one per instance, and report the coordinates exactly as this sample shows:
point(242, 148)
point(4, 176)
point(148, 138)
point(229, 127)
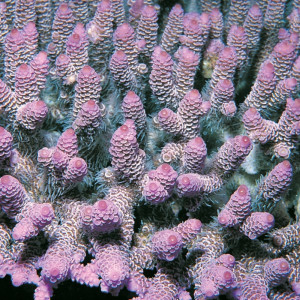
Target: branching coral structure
point(150, 149)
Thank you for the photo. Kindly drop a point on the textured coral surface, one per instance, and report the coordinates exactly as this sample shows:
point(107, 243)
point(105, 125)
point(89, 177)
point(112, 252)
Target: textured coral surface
point(149, 149)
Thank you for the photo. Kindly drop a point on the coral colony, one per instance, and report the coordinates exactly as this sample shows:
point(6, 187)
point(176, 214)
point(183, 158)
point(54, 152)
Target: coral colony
point(149, 148)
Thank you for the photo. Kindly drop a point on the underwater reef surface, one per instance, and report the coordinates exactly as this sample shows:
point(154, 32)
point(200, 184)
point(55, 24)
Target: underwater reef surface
point(149, 149)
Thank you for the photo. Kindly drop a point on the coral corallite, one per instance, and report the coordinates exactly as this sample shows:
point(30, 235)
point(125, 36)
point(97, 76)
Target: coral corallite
point(150, 149)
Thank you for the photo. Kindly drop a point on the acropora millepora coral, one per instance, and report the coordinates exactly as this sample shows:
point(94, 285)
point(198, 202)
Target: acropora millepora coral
point(150, 148)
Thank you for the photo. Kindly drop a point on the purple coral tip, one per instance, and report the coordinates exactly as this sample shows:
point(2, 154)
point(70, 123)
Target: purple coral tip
point(227, 260)
point(153, 186)
point(62, 59)
point(196, 224)
point(166, 168)
point(296, 288)
point(123, 32)
point(45, 211)
point(242, 190)
point(6, 180)
point(69, 132)
point(172, 240)
point(223, 218)
point(124, 129)
point(284, 48)
point(245, 142)
point(160, 55)
point(284, 266)
point(269, 218)
point(164, 113)
point(86, 70)
point(74, 38)
point(185, 180)
point(194, 94)
point(198, 140)
point(102, 205)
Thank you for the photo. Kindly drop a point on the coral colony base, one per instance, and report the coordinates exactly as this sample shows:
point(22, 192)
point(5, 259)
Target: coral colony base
point(149, 149)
